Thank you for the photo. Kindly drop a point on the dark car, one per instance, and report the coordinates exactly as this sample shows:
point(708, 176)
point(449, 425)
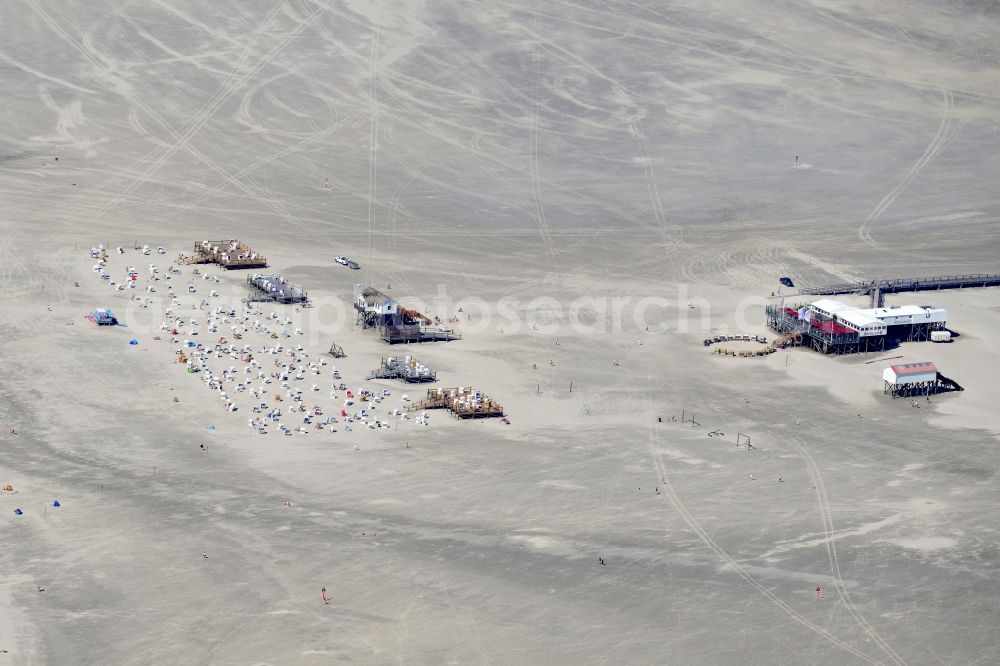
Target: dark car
point(787, 281)
point(352, 264)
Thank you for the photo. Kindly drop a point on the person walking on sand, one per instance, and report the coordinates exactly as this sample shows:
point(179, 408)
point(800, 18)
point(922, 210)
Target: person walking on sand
point(818, 591)
point(322, 593)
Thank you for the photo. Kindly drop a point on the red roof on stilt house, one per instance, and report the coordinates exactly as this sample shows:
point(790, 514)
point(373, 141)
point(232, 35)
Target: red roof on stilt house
point(914, 368)
point(832, 327)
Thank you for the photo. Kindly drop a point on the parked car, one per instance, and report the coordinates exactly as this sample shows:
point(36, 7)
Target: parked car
point(341, 260)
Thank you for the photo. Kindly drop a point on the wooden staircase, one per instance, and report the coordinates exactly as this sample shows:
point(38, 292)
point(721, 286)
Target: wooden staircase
point(781, 341)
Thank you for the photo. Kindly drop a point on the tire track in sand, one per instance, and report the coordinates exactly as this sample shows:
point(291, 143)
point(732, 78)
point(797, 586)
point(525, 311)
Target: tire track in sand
point(102, 65)
point(707, 539)
point(536, 187)
point(202, 118)
point(933, 148)
point(372, 154)
point(831, 548)
point(321, 135)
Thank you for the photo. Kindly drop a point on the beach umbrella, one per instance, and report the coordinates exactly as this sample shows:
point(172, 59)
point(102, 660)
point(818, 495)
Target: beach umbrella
point(133, 341)
point(56, 503)
point(18, 512)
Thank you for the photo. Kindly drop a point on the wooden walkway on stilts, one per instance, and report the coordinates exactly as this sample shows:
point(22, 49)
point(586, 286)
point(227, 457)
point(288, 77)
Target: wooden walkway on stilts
point(878, 288)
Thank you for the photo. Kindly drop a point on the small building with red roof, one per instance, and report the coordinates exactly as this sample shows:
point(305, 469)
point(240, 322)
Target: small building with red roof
point(910, 373)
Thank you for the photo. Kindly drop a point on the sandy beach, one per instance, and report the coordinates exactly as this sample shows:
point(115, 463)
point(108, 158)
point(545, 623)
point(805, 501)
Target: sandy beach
point(583, 192)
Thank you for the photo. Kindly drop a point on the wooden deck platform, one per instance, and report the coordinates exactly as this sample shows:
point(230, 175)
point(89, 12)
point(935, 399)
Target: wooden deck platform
point(407, 370)
point(274, 289)
point(416, 334)
point(463, 402)
point(229, 254)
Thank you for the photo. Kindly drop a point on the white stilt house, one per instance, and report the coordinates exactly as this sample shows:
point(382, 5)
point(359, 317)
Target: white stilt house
point(910, 379)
